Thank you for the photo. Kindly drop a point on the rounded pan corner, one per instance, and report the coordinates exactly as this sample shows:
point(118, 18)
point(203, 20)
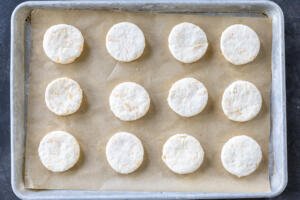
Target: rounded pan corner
point(19, 8)
point(279, 189)
point(17, 191)
point(271, 5)
point(274, 5)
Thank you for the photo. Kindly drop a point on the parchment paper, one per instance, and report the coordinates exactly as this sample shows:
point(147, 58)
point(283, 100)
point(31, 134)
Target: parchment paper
point(97, 73)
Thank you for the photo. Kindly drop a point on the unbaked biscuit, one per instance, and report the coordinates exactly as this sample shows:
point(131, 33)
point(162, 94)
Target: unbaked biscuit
point(241, 101)
point(59, 151)
point(239, 44)
point(125, 42)
point(129, 101)
point(187, 42)
point(182, 153)
point(63, 43)
point(63, 96)
point(124, 152)
point(241, 155)
point(187, 97)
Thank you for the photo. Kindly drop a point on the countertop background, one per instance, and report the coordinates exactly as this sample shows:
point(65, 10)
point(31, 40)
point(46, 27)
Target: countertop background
point(291, 10)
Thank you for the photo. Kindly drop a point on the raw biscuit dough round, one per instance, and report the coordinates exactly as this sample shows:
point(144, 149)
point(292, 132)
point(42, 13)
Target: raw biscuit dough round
point(182, 153)
point(241, 101)
point(124, 152)
point(239, 44)
point(187, 42)
point(63, 96)
point(187, 97)
point(59, 151)
point(129, 101)
point(63, 43)
point(241, 155)
point(125, 42)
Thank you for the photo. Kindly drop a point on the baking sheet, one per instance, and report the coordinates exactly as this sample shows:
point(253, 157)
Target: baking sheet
point(156, 70)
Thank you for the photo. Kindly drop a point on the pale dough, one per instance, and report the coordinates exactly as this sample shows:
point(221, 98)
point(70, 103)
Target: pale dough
point(125, 42)
point(124, 152)
point(182, 153)
point(59, 151)
point(187, 97)
point(63, 96)
point(241, 155)
point(187, 42)
point(239, 44)
point(241, 101)
point(129, 101)
point(63, 43)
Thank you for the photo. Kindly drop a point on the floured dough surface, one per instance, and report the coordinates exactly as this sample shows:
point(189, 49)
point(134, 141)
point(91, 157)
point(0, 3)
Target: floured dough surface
point(124, 152)
point(187, 97)
point(239, 44)
point(63, 43)
point(241, 155)
point(125, 42)
point(63, 96)
point(129, 101)
point(59, 151)
point(241, 101)
point(183, 154)
point(187, 42)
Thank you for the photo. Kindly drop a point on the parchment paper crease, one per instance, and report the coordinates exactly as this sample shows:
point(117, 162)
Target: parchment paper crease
point(97, 73)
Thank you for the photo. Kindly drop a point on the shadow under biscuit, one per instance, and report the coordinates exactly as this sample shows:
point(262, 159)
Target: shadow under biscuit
point(144, 164)
point(84, 104)
point(79, 163)
point(84, 54)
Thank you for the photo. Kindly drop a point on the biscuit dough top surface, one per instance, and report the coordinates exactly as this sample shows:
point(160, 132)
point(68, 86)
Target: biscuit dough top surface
point(63, 43)
point(187, 42)
point(63, 96)
point(124, 152)
point(129, 101)
point(125, 42)
point(241, 101)
point(182, 153)
point(241, 155)
point(59, 151)
point(187, 97)
point(239, 44)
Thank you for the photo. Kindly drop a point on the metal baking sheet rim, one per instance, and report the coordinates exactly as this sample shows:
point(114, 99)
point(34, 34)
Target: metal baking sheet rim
point(18, 62)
